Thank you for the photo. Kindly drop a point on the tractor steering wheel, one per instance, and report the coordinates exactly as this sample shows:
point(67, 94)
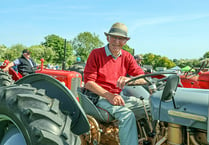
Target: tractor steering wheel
point(149, 78)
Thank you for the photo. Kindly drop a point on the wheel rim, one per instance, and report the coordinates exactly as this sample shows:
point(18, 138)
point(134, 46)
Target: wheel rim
point(13, 134)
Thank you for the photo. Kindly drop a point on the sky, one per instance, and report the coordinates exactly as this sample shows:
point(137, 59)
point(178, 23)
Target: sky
point(177, 29)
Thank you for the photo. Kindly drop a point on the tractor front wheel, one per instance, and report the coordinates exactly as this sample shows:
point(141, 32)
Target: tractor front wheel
point(5, 79)
point(29, 117)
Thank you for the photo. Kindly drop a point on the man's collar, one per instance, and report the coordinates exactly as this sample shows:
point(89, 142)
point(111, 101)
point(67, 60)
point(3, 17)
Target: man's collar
point(107, 51)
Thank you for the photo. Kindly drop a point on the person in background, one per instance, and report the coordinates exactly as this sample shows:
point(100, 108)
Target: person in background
point(138, 59)
point(25, 64)
point(78, 60)
point(105, 75)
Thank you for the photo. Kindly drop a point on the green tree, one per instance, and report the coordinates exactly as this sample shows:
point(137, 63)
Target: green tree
point(14, 52)
point(149, 59)
point(195, 63)
point(187, 62)
point(179, 62)
point(3, 49)
point(206, 55)
point(165, 62)
point(84, 43)
point(58, 45)
point(41, 51)
point(157, 61)
point(129, 49)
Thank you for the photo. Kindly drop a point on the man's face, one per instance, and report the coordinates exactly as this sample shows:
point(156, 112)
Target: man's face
point(26, 55)
point(116, 42)
point(139, 61)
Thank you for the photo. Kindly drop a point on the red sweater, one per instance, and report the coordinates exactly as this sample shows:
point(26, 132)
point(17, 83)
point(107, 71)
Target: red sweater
point(105, 70)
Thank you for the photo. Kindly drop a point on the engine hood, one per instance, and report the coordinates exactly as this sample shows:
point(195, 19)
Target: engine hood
point(191, 107)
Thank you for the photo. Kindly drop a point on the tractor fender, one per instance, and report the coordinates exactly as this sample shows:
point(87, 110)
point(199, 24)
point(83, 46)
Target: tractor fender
point(69, 105)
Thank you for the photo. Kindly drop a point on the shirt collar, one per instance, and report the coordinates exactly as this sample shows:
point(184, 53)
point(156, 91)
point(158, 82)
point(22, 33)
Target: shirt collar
point(107, 51)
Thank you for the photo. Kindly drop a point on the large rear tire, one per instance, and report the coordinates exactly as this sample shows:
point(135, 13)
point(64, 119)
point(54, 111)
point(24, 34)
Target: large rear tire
point(36, 116)
point(5, 79)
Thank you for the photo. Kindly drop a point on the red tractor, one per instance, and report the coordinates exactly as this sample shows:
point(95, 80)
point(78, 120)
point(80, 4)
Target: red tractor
point(71, 79)
point(41, 108)
point(198, 79)
point(61, 75)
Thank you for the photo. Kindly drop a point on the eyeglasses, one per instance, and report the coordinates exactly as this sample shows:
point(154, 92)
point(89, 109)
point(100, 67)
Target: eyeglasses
point(122, 39)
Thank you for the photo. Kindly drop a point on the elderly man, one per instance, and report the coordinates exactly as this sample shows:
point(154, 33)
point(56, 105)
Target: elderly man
point(105, 75)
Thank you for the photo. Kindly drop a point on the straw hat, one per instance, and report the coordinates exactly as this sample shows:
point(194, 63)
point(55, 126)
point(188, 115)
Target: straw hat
point(118, 29)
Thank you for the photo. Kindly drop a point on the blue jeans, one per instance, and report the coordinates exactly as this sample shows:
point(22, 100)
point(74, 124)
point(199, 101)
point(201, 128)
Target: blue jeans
point(126, 115)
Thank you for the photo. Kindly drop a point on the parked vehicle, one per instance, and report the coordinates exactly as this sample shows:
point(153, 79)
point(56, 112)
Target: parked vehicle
point(41, 110)
point(177, 115)
point(78, 67)
point(71, 79)
point(197, 79)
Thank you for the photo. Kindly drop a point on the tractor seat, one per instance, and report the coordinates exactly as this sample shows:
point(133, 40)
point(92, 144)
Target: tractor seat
point(15, 75)
point(91, 109)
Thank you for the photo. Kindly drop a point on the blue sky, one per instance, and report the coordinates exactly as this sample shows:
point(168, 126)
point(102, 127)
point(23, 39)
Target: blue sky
point(171, 28)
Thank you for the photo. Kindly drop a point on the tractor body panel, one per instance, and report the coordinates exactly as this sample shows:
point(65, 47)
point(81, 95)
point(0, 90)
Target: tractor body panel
point(189, 82)
point(204, 80)
point(70, 79)
point(191, 108)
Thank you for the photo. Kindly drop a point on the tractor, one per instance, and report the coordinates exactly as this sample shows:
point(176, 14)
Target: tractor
point(71, 79)
point(197, 79)
point(40, 109)
point(176, 115)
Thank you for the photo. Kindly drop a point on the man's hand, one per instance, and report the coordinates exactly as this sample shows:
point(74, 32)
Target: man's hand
point(138, 82)
point(6, 69)
point(115, 99)
point(122, 81)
